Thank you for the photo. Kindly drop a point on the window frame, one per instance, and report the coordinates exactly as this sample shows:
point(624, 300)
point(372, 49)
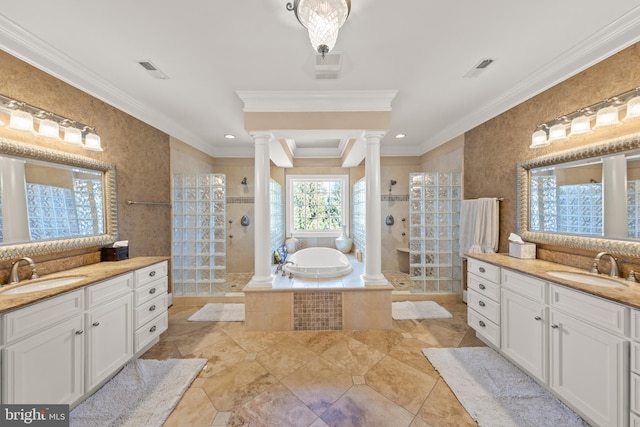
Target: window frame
point(346, 214)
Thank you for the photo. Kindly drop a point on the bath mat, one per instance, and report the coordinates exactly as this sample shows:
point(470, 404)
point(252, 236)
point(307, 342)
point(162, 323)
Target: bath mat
point(409, 310)
point(143, 394)
point(217, 312)
point(497, 393)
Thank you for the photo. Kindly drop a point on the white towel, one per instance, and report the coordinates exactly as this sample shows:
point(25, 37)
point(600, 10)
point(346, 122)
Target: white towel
point(479, 225)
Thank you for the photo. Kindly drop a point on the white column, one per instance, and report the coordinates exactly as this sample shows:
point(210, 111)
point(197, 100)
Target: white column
point(614, 197)
point(373, 250)
point(262, 210)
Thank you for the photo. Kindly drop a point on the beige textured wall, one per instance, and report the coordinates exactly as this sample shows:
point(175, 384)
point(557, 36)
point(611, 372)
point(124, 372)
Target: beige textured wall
point(140, 152)
point(492, 149)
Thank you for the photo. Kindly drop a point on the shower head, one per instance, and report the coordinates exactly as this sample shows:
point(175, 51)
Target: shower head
point(391, 184)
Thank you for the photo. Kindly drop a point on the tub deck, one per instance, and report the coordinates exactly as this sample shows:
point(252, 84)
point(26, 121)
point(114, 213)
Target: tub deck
point(318, 304)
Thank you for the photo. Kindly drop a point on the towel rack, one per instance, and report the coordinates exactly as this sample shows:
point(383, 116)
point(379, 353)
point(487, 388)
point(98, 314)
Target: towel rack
point(132, 202)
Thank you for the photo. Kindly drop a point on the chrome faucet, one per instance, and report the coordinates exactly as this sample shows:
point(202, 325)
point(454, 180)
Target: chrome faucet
point(13, 276)
point(613, 272)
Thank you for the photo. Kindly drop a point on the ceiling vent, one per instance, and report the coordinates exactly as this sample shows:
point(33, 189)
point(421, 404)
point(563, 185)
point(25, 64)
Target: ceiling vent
point(478, 68)
point(155, 72)
point(328, 66)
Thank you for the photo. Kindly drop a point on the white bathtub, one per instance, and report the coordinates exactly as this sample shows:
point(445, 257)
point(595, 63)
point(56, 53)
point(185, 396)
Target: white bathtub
point(318, 263)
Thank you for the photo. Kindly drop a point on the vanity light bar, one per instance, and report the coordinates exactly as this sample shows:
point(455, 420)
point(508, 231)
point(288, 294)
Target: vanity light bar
point(579, 122)
point(23, 116)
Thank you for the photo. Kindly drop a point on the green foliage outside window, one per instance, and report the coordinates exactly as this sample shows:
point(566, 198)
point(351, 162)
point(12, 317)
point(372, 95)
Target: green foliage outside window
point(317, 205)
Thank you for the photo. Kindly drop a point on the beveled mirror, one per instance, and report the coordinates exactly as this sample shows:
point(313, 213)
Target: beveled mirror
point(586, 198)
point(51, 201)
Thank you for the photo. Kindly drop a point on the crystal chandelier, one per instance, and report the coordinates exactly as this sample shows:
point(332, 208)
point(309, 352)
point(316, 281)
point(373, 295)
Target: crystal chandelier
point(323, 19)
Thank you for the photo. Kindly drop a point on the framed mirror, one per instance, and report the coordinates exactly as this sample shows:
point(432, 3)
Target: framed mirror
point(586, 198)
point(51, 201)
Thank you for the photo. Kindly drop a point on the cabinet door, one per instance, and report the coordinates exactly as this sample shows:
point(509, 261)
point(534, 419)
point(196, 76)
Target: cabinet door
point(588, 369)
point(47, 367)
point(110, 339)
point(524, 334)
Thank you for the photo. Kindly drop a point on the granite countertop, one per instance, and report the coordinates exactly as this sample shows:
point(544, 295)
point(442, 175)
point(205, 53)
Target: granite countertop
point(629, 295)
point(93, 273)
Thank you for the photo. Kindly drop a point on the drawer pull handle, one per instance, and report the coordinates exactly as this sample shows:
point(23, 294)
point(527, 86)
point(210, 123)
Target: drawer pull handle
point(481, 303)
point(153, 328)
point(152, 273)
point(538, 318)
point(481, 286)
point(152, 308)
point(481, 269)
point(152, 290)
point(80, 332)
point(96, 323)
point(481, 323)
point(554, 326)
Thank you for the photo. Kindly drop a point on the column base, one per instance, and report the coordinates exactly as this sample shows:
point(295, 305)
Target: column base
point(261, 281)
point(374, 280)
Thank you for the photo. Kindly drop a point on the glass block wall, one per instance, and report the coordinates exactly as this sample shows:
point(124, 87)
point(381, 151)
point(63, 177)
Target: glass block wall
point(358, 214)
point(277, 214)
point(434, 259)
point(199, 234)
point(580, 209)
point(633, 208)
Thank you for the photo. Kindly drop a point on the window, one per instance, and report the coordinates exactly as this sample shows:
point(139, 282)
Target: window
point(317, 205)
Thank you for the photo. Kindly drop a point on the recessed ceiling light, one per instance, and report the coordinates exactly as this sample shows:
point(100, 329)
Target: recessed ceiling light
point(229, 136)
point(400, 136)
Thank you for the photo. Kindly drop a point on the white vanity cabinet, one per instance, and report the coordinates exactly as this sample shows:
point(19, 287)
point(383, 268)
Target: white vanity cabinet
point(43, 357)
point(150, 299)
point(524, 322)
point(634, 377)
point(483, 300)
point(59, 350)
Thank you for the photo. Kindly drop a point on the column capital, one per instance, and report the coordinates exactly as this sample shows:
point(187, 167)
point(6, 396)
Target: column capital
point(261, 136)
point(373, 135)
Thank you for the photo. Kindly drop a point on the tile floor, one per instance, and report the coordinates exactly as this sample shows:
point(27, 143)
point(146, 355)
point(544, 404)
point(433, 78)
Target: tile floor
point(315, 378)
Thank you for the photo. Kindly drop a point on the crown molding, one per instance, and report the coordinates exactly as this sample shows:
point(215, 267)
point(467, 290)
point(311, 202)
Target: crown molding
point(608, 41)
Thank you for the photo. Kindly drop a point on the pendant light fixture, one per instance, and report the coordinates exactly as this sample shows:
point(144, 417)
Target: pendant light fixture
point(323, 19)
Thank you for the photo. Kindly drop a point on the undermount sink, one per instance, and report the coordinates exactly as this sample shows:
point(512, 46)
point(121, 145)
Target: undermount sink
point(587, 279)
point(42, 285)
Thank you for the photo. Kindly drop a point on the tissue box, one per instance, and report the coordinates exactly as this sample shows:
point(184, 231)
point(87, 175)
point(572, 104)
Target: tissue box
point(114, 254)
point(522, 250)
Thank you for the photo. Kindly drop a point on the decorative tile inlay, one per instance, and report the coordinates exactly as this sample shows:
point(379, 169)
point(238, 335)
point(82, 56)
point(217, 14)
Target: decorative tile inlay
point(317, 311)
point(394, 197)
point(231, 200)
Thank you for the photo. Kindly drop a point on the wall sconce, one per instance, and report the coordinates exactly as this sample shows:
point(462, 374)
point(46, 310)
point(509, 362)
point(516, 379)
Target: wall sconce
point(244, 181)
point(23, 117)
point(605, 113)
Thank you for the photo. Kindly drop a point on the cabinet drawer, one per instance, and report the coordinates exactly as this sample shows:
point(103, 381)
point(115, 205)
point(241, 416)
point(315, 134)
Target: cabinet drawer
point(25, 321)
point(604, 314)
point(524, 285)
point(482, 269)
point(635, 325)
point(484, 306)
point(108, 290)
point(483, 287)
point(635, 392)
point(484, 327)
point(151, 330)
point(149, 274)
point(149, 310)
point(150, 291)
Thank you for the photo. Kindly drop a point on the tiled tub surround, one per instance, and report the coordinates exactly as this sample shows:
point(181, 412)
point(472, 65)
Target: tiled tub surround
point(572, 338)
point(291, 303)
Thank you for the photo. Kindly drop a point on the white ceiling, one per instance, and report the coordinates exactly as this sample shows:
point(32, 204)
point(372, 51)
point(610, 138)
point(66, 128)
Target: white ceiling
point(212, 49)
